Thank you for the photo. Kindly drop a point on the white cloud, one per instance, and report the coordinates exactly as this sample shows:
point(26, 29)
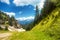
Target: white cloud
point(29, 2)
point(25, 18)
point(40, 5)
point(10, 13)
point(5, 1)
point(26, 2)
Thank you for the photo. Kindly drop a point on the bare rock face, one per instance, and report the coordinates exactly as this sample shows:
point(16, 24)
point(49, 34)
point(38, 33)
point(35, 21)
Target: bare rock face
point(3, 27)
point(11, 28)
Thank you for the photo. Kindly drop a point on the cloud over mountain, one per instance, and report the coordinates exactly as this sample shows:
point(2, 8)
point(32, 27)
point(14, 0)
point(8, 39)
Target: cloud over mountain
point(25, 18)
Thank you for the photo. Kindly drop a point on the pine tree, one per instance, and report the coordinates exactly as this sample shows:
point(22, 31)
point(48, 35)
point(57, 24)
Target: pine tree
point(48, 7)
point(36, 15)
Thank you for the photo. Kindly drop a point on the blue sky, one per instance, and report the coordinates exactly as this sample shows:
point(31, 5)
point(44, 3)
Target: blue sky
point(21, 9)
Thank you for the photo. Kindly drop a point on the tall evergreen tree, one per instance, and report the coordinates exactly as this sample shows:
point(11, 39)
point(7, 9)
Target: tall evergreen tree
point(48, 7)
point(36, 15)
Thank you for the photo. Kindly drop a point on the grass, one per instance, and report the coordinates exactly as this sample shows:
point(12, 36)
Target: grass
point(47, 29)
point(3, 31)
point(30, 36)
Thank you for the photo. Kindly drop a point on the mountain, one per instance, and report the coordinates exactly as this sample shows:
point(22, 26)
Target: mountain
point(6, 21)
point(25, 22)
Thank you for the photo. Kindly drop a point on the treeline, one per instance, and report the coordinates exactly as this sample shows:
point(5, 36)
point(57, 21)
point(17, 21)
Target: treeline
point(49, 6)
point(6, 21)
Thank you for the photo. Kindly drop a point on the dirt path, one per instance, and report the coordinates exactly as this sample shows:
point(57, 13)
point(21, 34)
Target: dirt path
point(4, 36)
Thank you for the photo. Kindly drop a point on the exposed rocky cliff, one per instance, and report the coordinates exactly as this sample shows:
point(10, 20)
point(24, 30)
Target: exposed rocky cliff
point(6, 21)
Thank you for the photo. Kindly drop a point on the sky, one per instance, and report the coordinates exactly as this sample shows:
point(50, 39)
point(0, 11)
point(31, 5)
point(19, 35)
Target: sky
point(21, 9)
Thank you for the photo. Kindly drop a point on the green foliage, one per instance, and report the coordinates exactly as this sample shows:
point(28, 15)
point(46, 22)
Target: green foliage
point(37, 15)
point(48, 8)
point(13, 21)
point(29, 26)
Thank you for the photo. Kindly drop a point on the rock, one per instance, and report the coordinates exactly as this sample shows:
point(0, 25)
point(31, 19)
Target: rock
point(11, 28)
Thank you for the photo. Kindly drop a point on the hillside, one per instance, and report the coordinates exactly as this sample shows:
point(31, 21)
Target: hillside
point(6, 21)
point(50, 25)
point(47, 29)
